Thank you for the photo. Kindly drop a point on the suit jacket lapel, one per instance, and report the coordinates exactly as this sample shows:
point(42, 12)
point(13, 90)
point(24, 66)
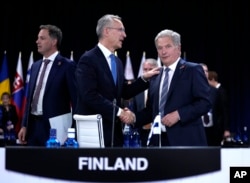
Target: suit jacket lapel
point(54, 69)
point(34, 75)
point(105, 66)
point(177, 74)
point(156, 88)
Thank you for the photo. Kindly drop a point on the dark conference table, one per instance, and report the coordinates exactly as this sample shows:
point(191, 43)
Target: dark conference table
point(173, 164)
point(112, 164)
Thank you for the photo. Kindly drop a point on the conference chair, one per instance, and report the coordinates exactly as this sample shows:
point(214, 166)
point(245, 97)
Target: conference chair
point(89, 130)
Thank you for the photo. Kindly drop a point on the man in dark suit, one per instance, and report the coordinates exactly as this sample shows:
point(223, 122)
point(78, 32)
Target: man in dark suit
point(98, 91)
point(187, 95)
point(57, 93)
point(139, 101)
point(221, 125)
point(207, 118)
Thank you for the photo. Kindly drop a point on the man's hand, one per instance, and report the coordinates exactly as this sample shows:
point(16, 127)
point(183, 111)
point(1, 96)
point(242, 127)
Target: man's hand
point(21, 135)
point(170, 119)
point(127, 116)
point(147, 75)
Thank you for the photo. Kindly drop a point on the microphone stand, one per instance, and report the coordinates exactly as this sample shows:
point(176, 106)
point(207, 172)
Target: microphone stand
point(160, 139)
point(113, 123)
point(160, 132)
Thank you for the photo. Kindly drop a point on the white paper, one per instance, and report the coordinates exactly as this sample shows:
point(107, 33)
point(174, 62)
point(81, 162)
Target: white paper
point(61, 123)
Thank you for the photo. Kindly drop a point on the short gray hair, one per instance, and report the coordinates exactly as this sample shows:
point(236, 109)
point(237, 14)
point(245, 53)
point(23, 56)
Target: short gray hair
point(175, 37)
point(105, 21)
point(152, 61)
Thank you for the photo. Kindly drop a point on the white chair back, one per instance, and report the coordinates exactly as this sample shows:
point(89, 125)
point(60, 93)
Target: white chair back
point(89, 130)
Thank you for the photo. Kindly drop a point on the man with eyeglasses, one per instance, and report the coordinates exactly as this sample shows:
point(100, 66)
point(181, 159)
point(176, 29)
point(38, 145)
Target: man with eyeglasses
point(101, 85)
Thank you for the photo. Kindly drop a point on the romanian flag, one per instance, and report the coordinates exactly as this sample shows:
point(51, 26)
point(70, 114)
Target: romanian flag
point(17, 91)
point(4, 76)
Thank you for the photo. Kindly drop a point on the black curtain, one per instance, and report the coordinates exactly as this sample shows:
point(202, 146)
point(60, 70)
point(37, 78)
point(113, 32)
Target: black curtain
point(216, 33)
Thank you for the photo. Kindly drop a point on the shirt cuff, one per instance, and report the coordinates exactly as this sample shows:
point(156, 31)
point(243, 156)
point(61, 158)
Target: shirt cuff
point(119, 112)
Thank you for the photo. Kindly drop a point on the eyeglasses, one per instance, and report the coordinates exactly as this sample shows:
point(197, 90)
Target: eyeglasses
point(119, 29)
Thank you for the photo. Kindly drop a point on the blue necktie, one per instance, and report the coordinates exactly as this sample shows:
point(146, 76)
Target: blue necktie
point(164, 93)
point(113, 67)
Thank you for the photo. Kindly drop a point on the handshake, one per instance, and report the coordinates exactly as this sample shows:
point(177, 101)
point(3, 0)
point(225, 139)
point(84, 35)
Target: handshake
point(127, 116)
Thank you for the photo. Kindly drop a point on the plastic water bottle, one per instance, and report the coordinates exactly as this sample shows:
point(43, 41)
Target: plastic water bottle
point(53, 142)
point(131, 137)
point(135, 139)
point(126, 136)
point(71, 141)
point(245, 136)
point(10, 134)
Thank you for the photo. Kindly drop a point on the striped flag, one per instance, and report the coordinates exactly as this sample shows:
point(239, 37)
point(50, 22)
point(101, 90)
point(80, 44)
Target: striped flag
point(128, 73)
point(18, 91)
point(71, 55)
point(141, 66)
point(31, 61)
point(4, 76)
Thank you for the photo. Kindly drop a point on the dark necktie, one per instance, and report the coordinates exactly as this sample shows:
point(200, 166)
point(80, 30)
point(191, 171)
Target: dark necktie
point(164, 93)
point(38, 87)
point(113, 67)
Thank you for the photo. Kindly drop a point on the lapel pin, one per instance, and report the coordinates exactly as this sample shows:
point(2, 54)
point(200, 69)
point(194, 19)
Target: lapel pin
point(182, 67)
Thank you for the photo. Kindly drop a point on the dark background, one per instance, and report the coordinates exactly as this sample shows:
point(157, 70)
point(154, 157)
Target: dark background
point(213, 32)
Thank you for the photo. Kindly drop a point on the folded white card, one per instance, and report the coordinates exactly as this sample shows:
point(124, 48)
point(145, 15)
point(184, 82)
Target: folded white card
point(61, 123)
